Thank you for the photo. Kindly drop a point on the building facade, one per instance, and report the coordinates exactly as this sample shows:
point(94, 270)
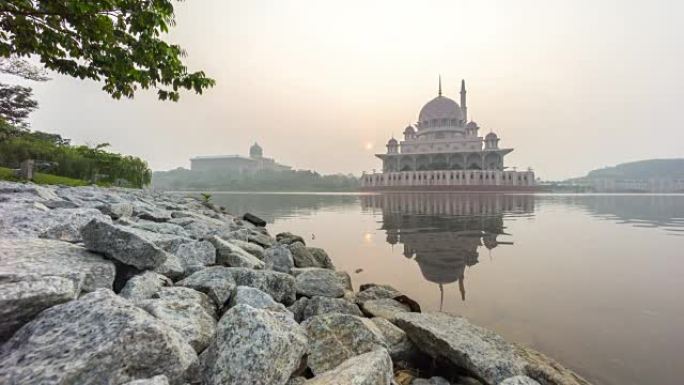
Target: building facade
point(237, 164)
point(444, 150)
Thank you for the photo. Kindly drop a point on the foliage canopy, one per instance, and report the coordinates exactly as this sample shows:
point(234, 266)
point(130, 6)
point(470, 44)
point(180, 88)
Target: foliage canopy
point(116, 41)
point(57, 156)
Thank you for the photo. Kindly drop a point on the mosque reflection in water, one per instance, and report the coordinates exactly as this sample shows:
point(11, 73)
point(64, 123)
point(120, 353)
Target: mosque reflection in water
point(443, 233)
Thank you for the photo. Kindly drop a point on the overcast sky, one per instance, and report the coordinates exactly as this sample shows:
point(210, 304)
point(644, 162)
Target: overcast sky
point(320, 84)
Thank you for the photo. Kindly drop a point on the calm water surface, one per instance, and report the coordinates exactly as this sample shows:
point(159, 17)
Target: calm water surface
point(594, 281)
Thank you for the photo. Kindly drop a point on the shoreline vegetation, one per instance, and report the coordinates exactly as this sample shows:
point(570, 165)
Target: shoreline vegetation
point(294, 180)
point(153, 288)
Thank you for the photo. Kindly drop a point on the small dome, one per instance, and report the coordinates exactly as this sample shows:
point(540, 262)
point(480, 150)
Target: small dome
point(392, 142)
point(472, 124)
point(491, 136)
point(439, 108)
point(409, 130)
point(256, 151)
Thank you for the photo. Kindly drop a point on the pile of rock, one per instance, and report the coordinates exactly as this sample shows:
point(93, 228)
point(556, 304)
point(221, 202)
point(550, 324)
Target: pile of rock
point(114, 286)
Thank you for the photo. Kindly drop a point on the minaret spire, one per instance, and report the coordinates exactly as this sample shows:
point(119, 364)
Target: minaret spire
point(464, 108)
point(439, 92)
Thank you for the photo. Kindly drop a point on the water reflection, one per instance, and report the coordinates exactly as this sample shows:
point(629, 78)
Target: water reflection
point(665, 211)
point(443, 233)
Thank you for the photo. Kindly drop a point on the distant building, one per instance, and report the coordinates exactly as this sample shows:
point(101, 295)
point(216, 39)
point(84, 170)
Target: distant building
point(444, 151)
point(237, 164)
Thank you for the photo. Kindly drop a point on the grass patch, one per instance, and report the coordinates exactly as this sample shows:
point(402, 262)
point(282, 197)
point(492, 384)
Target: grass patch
point(41, 178)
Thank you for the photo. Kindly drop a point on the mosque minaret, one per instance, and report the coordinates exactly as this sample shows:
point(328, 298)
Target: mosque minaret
point(445, 151)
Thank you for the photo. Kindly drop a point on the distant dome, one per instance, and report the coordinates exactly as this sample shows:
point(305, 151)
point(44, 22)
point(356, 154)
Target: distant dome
point(491, 136)
point(256, 151)
point(409, 130)
point(439, 108)
point(392, 142)
point(472, 124)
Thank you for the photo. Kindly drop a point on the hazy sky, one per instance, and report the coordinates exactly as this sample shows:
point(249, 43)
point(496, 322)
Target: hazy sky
point(571, 85)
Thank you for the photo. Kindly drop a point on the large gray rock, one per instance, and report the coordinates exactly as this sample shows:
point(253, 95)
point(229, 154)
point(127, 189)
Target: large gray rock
point(187, 311)
point(337, 337)
point(156, 380)
point(280, 286)
point(253, 346)
point(479, 350)
point(43, 257)
point(122, 244)
point(31, 219)
point(325, 305)
point(66, 225)
point(229, 254)
point(172, 267)
point(372, 368)
point(144, 285)
point(100, 336)
point(216, 281)
point(194, 255)
point(386, 308)
point(244, 295)
point(36, 274)
point(22, 298)
point(320, 282)
point(260, 239)
point(278, 258)
point(117, 210)
point(302, 256)
point(250, 247)
point(399, 345)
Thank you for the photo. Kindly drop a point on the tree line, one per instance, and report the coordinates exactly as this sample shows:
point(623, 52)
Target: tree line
point(299, 180)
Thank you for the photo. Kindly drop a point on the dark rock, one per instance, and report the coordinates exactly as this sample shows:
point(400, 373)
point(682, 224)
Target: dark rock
point(322, 258)
point(287, 238)
point(253, 219)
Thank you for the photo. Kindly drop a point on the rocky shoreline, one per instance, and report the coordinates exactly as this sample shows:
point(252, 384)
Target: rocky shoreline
point(117, 286)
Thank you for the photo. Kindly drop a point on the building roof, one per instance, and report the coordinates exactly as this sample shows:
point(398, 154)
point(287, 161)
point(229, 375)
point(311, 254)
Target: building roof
point(217, 157)
point(440, 107)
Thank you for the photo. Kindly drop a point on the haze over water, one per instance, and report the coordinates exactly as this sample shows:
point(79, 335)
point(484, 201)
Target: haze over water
point(593, 281)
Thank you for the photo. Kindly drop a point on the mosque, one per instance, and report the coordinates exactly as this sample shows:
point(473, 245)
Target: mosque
point(444, 151)
point(236, 163)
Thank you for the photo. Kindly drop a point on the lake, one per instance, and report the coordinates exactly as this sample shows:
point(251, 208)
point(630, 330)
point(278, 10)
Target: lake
point(595, 281)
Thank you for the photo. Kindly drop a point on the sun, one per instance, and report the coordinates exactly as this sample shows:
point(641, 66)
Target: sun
point(368, 145)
